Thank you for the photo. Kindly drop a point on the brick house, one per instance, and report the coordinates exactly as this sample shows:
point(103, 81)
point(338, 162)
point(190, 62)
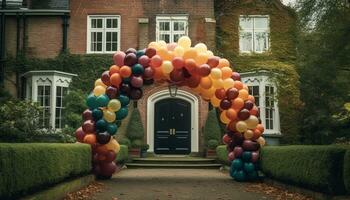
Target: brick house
point(43, 29)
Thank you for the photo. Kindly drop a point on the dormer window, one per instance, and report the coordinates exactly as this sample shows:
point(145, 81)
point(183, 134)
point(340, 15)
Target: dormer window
point(254, 34)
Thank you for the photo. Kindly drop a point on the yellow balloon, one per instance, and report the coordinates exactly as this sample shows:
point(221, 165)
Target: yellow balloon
point(114, 105)
point(243, 94)
point(162, 52)
point(99, 82)
point(261, 141)
point(113, 145)
point(179, 51)
point(208, 93)
point(241, 126)
point(215, 73)
point(223, 118)
point(201, 48)
point(109, 115)
point(154, 45)
point(167, 67)
point(215, 101)
point(99, 90)
point(184, 42)
point(190, 53)
point(248, 134)
point(162, 44)
point(252, 122)
point(210, 53)
point(218, 83)
point(228, 83)
point(201, 59)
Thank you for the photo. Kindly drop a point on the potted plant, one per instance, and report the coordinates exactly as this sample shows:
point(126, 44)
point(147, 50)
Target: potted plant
point(144, 149)
point(211, 148)
point(135, 148)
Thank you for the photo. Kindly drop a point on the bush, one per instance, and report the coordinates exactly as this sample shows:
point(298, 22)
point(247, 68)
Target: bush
point(30, 166)
point(123, 155)
point(125, 141)
point(212, 144)
point(221, 153)
point(136, 143)
point(212, 129)
point(346, 172)
point(74, 103)
point(315, 167)
point(135, 128)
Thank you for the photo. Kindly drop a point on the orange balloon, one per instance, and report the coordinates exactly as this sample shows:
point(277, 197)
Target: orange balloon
point(256, 134)
point(218, 83)
point(254, 111)
point(243, 94)
point(101, 149)
point(232, 126)
point(208, 93)
point(231, 114)
point(237, 103)
point(206, 82)
point(113, 69)
point(115, 79)
point(251, 98)
point(223, 118)
point(238, 85)
point(245, 87)
point(223, 63)
point(260, 127)
point(90, 139)
point(191, 53)
point(215, 101)
point(125, 72)
point(226, 72)
point(158, 73)
point(162, 52)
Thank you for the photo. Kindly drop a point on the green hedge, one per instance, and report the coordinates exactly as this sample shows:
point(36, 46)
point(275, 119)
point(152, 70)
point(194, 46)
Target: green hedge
point(123, 154)
point(221, 153)
point(346, 172)
point(212, 129)
point(315, 167)
point(30, 166)
point(135, 128)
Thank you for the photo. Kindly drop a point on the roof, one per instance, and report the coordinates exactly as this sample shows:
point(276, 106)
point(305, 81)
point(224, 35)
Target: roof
point(50, 4)
point(48, 72)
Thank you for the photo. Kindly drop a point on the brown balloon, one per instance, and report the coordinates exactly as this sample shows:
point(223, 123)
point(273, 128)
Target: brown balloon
point(232, 93)
point(87, 115)
point(225, 104)
point(243, 114)
point(213, 61)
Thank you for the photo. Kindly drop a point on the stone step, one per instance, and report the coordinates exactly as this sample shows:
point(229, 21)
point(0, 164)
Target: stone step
point(173, 165)
point(174, 160)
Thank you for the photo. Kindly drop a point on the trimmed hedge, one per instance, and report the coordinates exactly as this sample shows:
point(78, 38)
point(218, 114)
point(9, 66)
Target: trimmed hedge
point(315, 167)
point(346, 172)
point(30, 166)
point(212, 129)
point(221, 153)
point(123, 155)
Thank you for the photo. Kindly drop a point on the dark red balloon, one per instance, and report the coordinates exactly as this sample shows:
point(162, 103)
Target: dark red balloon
point(238, 151)
point(248, 104)
point(249, 145)
point(148, 73)
point(243, 114)
point(89, 126)
point(225, 104)
point(136, 81)
point(213, 61)
point(232, 93)
point(112, 92)
point(135, 93)
point(193, 81)
point(236, 76)
point(150, 52)
point(130, 50)
point(177, 76)
point(105, 78)
point(103, 137)
point(87, 115)
point(220, 93)
point(79, 134)
point(110, 156)
point(130, 59)
point(144, 61)
point(187, 74)
point(226, 139)
point(178, 62)
point(107, 168)
point(125, 88)
point(204, 70)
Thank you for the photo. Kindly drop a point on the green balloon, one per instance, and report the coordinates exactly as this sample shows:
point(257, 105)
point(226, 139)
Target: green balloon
point(247, 156)
point(122, 113)
point(102, 100)
point(240, 176)
point(140, 53)
point(91, 101)
point(137, 69)
point(124, 100)
point(101, 125)
point(253, 175)
point(112, 129)
point(97, 114)
point(237, 164)
point(249, 167)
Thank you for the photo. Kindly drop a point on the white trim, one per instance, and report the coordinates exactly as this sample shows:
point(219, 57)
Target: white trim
point(171, 19)
point(181, 94)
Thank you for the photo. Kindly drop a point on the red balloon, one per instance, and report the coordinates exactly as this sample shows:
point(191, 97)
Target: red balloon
point(144, 61)
point(156, 61)
point(213, 61)
point(136, 81)
point(79, 134)
point(148, 73)
point(193, 81)
point(105, 78)
point(249, 145)
point(178, 62)
point(232, 93)
point(89, 126)
point(177, 76)
point(130, 59)
point(226, 139)
point(204, 70)
point(190, 65)
point(254, 111)
point(87, 115)
point(110, 156)
point(225, 104)
point(150, 52)
point(112, 92)
point(220, 93)
point(238, 151)
point(236, 76)
point(243, 114)
point(231, 156)
point(107, 168)
point(118, 58)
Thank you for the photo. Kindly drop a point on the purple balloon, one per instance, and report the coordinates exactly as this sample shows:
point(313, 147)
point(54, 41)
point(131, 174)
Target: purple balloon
point(79, 134)
point(243, 114)
point(107, 169)
point(112, 92)
point(118, 58)
point(177, 76)
point(110, 156)
point(225, 104)
point(103, 137)
point(87, 115)
point(125, 88)
point(89, 126)
point(148, 73)
point(236, 76)
point(249, 145)
point(130, 50)
point(105, 78)
point(238, 151)
point(130, 59)
point(232, 93)
point(248, 104)
point(144, 61)
point(136, 81)
point(135, 93)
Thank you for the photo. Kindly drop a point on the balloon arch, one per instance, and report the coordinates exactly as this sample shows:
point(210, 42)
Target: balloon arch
point(181, 65)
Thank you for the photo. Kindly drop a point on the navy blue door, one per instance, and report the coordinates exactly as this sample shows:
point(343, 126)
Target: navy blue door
point(172, 126)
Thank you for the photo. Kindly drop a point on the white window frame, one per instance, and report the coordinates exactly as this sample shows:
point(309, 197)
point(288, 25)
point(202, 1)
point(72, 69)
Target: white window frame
point(253, 31)
point(263, 79)
point(171, 19)
point(51, 78)
point(103, 30)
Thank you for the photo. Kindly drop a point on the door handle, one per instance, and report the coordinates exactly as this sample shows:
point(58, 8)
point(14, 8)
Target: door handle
point(174, 131)
point(170, 131)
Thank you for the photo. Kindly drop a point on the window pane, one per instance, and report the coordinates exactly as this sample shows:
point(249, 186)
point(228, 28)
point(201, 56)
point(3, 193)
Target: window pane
point(245, 23)
point(114, 23)
point(164, 26)
point(47, 90)
point(99, 23)
point(40, 90)
point(177, 36)
point(96, 23)
point(260, 41)
point(109, 23)
point(246, 41)
point(261, 22)
point(179, 26)
point(165, 37)
point(108, 36)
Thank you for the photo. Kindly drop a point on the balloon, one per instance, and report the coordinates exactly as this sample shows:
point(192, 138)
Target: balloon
point(105, 78)
point(103, 137)
point(178, 62)
point(113, 69)
point(148, 73)
point(171, 46)
point(116, 80)
point(236, 76)
point(130, 50)
point(130, 59)
point(88, 126)
point(156, 61)
point(215, 101)
point(150, 52)
point(225, 104)
point(243, 114)
point(99, 90)
point(213, 61)
point(261, 141)
point(243, 94)
point(101, 125)
point(231, 156)
point(184, 42)
point(228, 83)
point(220, 93)
point(215, 73)
point(125, 88)
point(218, 83)
point(223, 117)
point(255, 157)
point(206, 82)
point(118, 58)
point(257, 134)
point(140, 53)
point(240, 176)
point(237, 164)
point(208, 93)
point(223, 63)
point(248, 134)
point(179, 51)
point(190, 53)
point(113, 145)
point(90, 139)
point(102, 100)
point(135, 93)
point(201, 48)
point(153, 45)
point(87, 115)
point(204, 70)
point(124, 100)
point(226, 72)
point(99, 82)
point(137, 69)
point(249, 145)
point(247, 156)
point(232, 93)
point(136, 81)
point(190, 65)
point(226, 139)
point(201, 59)
point(107, 168)
point(109, 116)
point(80, 134)
point(254, 111)
point(193, 81)
point(177, 76)
point(260, 127)
point(91, 101)
point(167, 67)
point(210, 53)
point(112, 129)
point(238, 85)
point(125, 71)
point(231, 114)
point(97, 114)
point(114, 105)
point(252, 121)
point(241, 126)
point(122, 113)
point(162, 52)
point(249, 167)
point(112, 92)
point(238, 151)
point(237, 104)
point(248, 104)
point(110, 156)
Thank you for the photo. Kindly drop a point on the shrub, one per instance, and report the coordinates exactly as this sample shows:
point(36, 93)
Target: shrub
point(212, 144)
point(144, 147)
point(125, 141)
point(346, 173)
point(74, 103)
point(135, 129)
point(221, 153)
point(212, 129)
point(30, 166)
point(123, 155)
point(136, 143)
point(315, 167)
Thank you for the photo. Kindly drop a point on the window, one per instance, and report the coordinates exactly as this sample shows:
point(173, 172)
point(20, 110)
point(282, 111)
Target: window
point(60, 93)
point(44, 101)
point(254, 34)
point(170, 29)
point(264, 91)
point(103, 34)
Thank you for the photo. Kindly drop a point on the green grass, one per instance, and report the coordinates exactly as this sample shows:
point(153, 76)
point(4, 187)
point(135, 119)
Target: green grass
point(314, 167)
point(25, 167)
point(123, 154)
point(221, 152)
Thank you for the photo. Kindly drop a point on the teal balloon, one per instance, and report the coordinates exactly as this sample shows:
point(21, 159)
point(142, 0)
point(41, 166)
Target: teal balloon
point(124, 100)
point(137, 69)
point(247, 156)
point(102, 100)
point(122, 113)
point(240, 176)
point(91, 102)
point(101, 125)
point(126, 80)
point(232, 172)
point(118, 123)
point(237, 164)
point(112, 129)
point(140, 53)
point(253, 175)
point(97, 114)
point(249, 167)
